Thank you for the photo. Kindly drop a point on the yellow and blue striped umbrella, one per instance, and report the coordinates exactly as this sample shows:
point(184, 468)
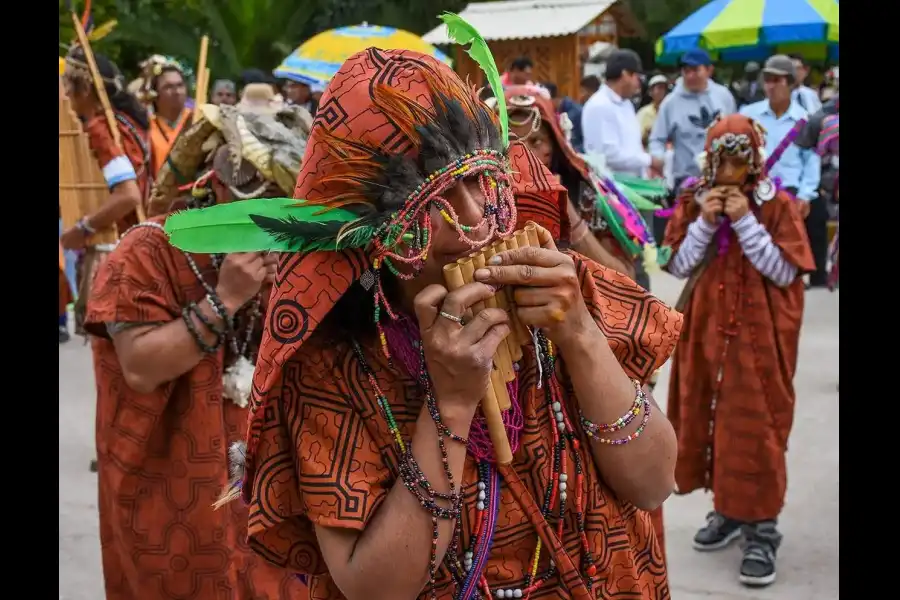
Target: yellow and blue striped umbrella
point(741, 30)
point(320, 57)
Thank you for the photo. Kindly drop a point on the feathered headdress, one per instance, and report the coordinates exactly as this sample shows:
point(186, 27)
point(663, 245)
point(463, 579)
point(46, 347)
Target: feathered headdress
point(359, 192)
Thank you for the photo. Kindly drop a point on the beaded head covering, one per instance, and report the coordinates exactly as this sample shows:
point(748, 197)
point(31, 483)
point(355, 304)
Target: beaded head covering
point(737, 135)
point(394, 131)
point(77, 71)
point(536, 102)
point(150, 70)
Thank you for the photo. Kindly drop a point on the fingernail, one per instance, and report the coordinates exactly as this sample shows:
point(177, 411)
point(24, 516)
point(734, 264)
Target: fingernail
point(482, 274)
point(493, 288)
point(494, 260)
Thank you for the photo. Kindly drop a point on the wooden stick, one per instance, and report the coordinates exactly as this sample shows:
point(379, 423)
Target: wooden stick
point(490, 404)
point(201, 94)
point(100, 89)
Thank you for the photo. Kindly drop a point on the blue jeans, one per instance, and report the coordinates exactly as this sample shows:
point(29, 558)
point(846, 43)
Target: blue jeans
point(70, 257)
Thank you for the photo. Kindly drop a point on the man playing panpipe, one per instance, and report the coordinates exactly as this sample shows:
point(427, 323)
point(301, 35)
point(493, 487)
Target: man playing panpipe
point(742, 245)
point(125, 169)
point(369, 468)
point(175, 337)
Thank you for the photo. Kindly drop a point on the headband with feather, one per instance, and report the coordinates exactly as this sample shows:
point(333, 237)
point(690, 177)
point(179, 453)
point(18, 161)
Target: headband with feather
point(354, 184)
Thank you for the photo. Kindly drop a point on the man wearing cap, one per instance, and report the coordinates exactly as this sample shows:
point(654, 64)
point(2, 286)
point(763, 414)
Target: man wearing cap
point(749, 89)
point(802, 94)
point(608, 122)
point(687, 112)
point(798, 169)
point(657, 89)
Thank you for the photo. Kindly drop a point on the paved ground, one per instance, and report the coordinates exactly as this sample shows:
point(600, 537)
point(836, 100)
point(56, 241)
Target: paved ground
point(807, 562)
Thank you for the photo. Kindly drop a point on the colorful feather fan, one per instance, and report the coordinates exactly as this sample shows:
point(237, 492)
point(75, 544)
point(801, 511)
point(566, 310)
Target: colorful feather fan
point(619, 204)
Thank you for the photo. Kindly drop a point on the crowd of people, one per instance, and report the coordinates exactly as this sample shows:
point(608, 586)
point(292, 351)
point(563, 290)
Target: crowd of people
point(296, 410)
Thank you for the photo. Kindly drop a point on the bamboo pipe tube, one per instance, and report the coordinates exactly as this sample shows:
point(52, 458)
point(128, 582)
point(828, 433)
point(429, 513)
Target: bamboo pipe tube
point(515, 351)
point(467, 266)
point(490, 404)
point(504, 354)
point(522, 337)
point(531, 232)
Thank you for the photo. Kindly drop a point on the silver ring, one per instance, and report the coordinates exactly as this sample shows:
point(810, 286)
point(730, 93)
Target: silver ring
point(453, 318)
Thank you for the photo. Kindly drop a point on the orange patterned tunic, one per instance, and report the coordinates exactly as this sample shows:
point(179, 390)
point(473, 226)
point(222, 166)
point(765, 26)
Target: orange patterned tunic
point(324, 454)
point(742, 457)
point(162, 456)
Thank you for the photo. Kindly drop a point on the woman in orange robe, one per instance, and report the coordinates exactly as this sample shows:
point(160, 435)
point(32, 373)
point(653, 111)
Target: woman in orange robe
point(349, 415)
point(175, 336)
point(533, 121)
point(742, 246)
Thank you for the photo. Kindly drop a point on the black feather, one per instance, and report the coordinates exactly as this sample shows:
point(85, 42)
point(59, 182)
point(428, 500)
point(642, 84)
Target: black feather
point(301, 236)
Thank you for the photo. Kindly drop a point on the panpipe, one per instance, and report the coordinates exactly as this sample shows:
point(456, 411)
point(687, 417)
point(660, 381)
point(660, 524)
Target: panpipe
point(82, 187)
point(496, 397)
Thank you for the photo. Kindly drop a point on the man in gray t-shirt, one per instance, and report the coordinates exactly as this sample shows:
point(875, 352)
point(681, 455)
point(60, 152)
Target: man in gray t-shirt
point(687, 112)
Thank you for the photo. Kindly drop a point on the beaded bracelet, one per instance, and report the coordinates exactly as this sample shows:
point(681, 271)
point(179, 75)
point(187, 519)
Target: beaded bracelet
point(593, 430)
point(623, 421)
point(219, 308)
point(418, 485)
point(210, 326)
point(84, 225)
point(186, 313)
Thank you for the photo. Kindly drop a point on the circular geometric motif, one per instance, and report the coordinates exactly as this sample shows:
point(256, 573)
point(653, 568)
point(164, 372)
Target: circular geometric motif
point(288, 321)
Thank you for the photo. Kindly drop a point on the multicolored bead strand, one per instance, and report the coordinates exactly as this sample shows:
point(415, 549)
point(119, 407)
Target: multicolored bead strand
point(406, 237)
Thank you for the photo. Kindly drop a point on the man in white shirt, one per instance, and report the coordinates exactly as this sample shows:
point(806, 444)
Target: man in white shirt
point(802, 94)
point(609, 123)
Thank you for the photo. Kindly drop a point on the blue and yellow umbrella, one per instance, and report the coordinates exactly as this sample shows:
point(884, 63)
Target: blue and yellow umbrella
point(741, 30)
point(320, 57)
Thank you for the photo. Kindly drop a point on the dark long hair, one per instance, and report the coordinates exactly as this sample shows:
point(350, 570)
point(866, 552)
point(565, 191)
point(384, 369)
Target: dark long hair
point(119, 98)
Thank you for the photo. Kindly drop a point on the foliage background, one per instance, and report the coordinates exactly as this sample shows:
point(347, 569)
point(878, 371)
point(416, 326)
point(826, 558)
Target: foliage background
point(261, 33)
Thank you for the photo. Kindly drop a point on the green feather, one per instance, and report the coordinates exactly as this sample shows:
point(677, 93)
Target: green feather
point(463, 33)
point(648, 188)
point(637, 200)
point(234, 227)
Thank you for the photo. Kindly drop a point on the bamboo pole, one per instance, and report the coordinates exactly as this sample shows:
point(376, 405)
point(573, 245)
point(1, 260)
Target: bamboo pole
point(100, 89)
point(202, 91)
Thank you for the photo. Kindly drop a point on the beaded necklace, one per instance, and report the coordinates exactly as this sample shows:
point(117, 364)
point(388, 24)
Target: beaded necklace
point(253, 311)
point(469, 575)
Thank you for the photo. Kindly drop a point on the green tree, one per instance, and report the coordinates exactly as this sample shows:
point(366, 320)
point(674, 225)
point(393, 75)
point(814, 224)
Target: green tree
point(658, 17)
point(243, 33)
